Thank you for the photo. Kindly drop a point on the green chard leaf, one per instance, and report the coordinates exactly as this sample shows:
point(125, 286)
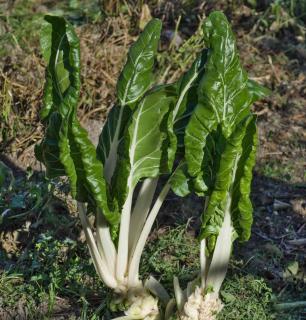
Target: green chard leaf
point(221, 194)
point(177, 117)
point(180, 180)
point(66, 148)
point(241, 207)
point(140, 152)
point(257, 91)
point(220, 138)
point(112, 133)
point(61, 49)
point(134, 80)
point(137, 74)
point(223, 95)
point(48, 152)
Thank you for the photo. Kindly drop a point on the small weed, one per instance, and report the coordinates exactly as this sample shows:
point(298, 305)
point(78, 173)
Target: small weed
point(174, 252)
point(172, 62)
point(21, 197)
point(6, 98)
point(277, 169)
point(247, 298)
point(46, 277)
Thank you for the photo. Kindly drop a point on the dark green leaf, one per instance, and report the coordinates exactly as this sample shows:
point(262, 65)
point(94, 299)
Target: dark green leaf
point(241, 207)
point(66, 148)
point(257, 91)
point(112, 132)
point(48, 151)
point(220, 197)
point(177, 118)
point(136, 76)
point(224, 99)
point(91, 186)
point(180, 180)
point(61, 48)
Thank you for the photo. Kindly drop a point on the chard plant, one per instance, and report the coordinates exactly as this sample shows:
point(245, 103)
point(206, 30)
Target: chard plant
point(220, 148)
point(197, 134)
point(117, 180)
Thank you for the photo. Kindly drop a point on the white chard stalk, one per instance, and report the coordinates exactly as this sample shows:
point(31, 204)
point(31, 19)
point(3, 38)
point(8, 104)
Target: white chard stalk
point(201, 306)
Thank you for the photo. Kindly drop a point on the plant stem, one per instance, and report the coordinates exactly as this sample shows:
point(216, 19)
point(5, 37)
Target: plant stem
point(123, 243)
point(157, 289)
point(99, 263)
point(179, 295)
point(204, 260)
point(105, 243)
point(203, 263)
point(140, 211)
point(170, 309)
point(221, 255)
point(134, 264)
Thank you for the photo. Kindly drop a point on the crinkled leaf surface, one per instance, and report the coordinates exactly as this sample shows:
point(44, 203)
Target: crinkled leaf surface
point(220, 139)
point(241, 206)
point(223, 96)
point(66, 148)
point(221, 194)
point(177, 118)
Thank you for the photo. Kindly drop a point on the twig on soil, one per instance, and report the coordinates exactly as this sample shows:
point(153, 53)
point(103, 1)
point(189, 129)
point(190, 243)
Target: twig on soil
point(297, 242)
point(31, 137)
point(273, 69)
point(263, 236)
point(289, 305)
point(261, 112)
point(88, 114)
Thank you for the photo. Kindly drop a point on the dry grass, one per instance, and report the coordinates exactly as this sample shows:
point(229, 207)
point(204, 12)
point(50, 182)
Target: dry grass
point(103, 47)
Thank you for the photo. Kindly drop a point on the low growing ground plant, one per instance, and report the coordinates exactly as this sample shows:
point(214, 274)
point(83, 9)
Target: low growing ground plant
point(198, 134)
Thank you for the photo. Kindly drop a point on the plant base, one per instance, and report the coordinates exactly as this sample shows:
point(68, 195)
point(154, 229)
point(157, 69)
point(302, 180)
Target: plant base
point(200, 307)
point(137, 304)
